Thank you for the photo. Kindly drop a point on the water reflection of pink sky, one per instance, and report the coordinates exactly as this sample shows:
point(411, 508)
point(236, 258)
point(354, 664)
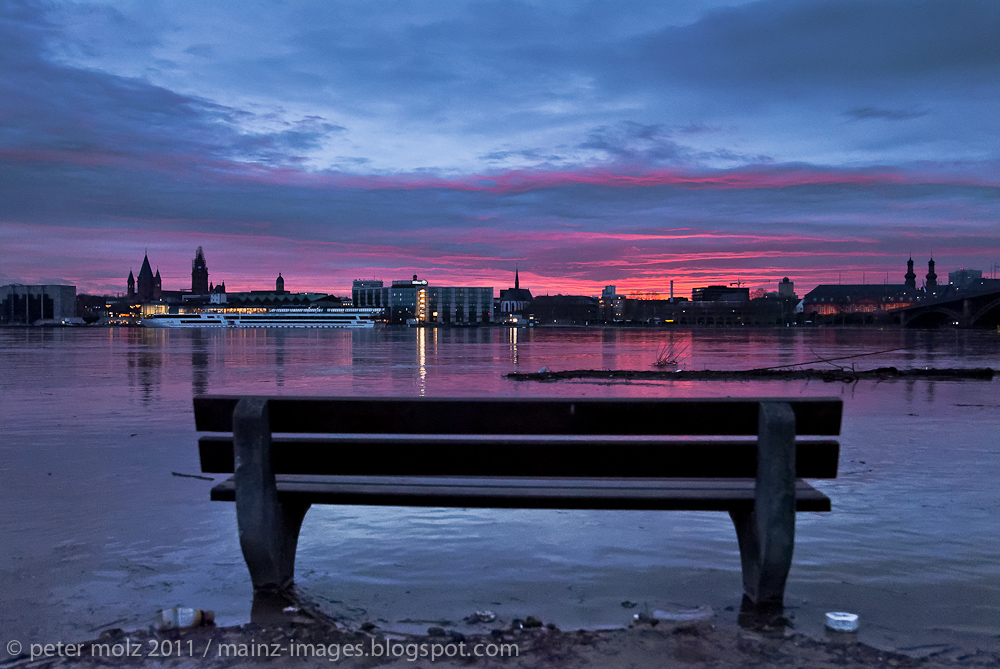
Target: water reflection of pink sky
point(914, 501)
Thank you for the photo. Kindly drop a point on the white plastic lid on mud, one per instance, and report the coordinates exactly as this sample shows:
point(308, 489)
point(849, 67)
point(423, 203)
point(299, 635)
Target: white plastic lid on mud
point(842, 621)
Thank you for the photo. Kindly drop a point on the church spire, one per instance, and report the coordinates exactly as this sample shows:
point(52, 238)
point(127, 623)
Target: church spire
point(199, 273)
point(931, 275)
point(146, 281)
point(517, 281)
point(910, 276)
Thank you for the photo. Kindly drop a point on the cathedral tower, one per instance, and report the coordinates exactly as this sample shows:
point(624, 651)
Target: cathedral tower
point(146, 284)
point(931, 276)
point(199, 273)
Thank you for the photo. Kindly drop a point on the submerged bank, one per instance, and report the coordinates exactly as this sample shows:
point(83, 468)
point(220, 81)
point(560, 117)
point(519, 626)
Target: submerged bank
point(829, 375)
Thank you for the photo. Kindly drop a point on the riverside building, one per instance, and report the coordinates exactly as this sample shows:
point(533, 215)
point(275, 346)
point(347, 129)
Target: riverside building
point(415, 301)
point(26, 305)
point(866, 302)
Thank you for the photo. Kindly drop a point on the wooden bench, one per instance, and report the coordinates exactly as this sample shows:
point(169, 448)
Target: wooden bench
point(583, 453)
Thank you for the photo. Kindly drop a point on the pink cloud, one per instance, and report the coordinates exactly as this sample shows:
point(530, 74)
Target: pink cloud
point(560, 259)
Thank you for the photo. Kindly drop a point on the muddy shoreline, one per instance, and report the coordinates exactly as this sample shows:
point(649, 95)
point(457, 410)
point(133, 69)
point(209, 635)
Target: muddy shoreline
point(307, 641)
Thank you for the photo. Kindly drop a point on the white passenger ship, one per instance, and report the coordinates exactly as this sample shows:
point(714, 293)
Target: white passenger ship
point(268, 318)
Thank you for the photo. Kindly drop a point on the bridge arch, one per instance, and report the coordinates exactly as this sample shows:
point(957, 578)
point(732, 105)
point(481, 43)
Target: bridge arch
point(980, 317)
point(934, 317)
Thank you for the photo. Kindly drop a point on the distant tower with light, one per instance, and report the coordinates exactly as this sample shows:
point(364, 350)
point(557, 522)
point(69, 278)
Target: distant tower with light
point(786, 288)
point(199, 273)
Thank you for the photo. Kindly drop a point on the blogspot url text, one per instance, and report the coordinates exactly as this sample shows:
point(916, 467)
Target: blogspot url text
point(332, 652)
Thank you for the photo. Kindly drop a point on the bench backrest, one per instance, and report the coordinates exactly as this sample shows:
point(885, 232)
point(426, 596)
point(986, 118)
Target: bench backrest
point(579, 437)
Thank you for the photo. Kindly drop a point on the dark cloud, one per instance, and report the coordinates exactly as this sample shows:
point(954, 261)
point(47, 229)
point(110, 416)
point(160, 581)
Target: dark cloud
point(535, 156)
point(698, 129)
point(866, 113)
point(727, 156)
point(824, 43)
point(497, 73)
point(200, 50)
point(634, 142)
point(352, 160)
point(91, 117)
point(279, 147)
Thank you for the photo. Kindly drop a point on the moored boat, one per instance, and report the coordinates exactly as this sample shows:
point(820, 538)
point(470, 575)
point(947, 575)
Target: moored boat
point(270, 318)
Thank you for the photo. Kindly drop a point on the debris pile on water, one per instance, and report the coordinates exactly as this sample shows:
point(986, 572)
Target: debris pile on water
point(829, 375)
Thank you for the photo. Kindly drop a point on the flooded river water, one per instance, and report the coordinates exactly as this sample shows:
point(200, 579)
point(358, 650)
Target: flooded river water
point(96, 531)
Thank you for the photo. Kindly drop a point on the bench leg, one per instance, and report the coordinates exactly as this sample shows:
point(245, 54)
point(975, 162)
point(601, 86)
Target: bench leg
point(766, 534)
point(268, 528)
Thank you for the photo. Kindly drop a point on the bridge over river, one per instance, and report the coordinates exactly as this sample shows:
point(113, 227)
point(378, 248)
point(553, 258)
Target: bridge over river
point(966, 309)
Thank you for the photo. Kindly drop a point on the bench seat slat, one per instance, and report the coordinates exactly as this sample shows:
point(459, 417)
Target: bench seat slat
point(620, 416)
point(529, 493)
point(422, 456)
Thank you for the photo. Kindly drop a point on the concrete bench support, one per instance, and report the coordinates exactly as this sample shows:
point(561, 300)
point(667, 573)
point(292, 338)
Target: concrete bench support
point(766, 534)
point(268, 529)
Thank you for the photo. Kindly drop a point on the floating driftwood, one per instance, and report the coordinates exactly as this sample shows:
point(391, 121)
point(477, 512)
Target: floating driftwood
point(830, 375)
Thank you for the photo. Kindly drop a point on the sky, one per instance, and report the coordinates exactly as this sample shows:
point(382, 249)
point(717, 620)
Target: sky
point(586, 144)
